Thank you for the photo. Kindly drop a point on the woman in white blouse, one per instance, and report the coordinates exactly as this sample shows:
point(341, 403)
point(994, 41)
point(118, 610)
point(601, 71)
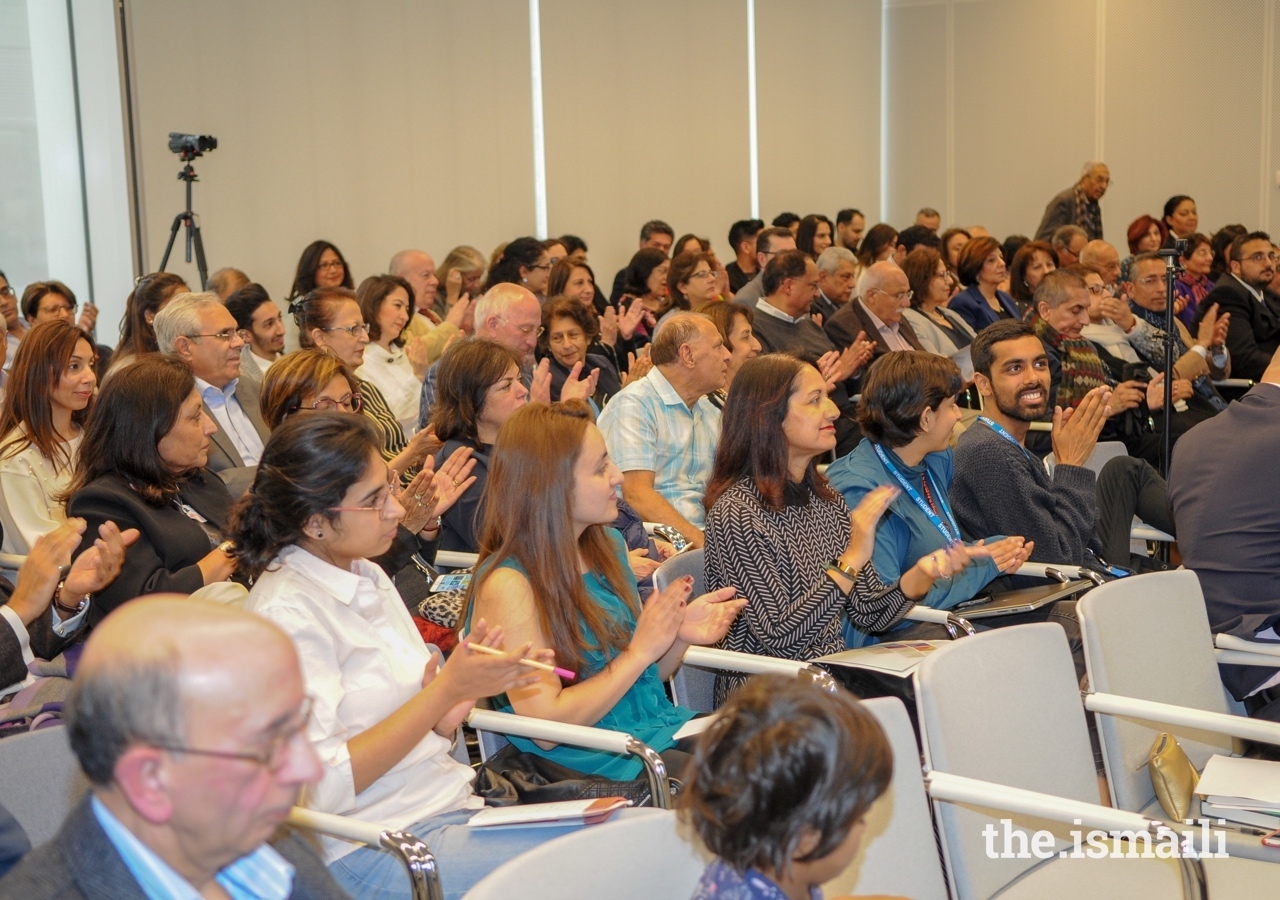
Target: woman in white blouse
point(385, 710)
point(50, 392)
point(397, 369)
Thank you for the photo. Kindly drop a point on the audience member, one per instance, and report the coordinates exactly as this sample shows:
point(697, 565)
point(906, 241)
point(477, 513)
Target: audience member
point(1030, 264)
point(916, 236)
point(47, 400)
point(321, 265)
point(1192, 284)
point(1078, 204)
point(1068, 241)
point(1180, 219)
point(1221, 243)
point(462, 273)
point(393, 362)
point(43, 301)
point(523, 262)
point(981, 270)
point(226, 281)
point(938, 329)
point(876, 316)
point(879, 244)
point(188, 719)
point(953, 241)
point(777, 531)
point(691, 281)
point(261, 328)
point(662, 429)
point(15, 328)
point(1105, 258)
point(1245, 292)
point(137, 334)
point(780, 788)
point(1000, 487)
point(907, 413)
point(769, 243)
point(814, 235)
point(645, 282)
point(555, 250)
point(142, 465)
point(199, 330)
point(742, 240)
point(569, 329)
point(435, 328)
point(308, 380)
point(837, 277)
point(929, 218)
point(787, 220)
point(616, 328)
point(690, 243)
point(735, 326)
point(654, 234)
point(572, 591)
point(850, 224)
point(330, 319)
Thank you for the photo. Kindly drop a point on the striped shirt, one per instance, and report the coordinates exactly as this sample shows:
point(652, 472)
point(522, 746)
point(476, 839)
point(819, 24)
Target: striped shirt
point(648, 428)
point(376, 408)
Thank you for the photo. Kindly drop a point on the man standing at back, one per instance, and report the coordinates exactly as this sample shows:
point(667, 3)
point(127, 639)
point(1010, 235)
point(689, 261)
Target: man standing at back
point(189, 719)
point(1078, 204)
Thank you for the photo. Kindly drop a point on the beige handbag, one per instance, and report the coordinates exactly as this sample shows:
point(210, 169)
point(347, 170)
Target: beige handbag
point(1173, 777)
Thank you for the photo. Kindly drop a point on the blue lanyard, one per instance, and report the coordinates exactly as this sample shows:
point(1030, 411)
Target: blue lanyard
point(952, 534)
point(1004, 433)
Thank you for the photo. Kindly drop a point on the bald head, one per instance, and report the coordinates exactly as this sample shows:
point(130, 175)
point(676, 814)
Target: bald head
point(882, 287)
point(419, 269)
point(1103, 257)
point(510, 314)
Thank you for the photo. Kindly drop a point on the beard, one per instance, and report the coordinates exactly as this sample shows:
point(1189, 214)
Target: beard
point(1014, 407)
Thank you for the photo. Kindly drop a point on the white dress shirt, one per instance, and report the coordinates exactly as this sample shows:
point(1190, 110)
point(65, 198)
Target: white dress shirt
point(232, 419)
point(393, 374)
point(29, 481)
point(362, 659)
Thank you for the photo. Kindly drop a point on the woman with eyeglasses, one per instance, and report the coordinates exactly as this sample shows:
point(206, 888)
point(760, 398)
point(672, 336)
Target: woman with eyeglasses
point(940, 330)
point(142, 465)
point(525, 262)
point(48, 398)
point(691, 281)
point(1193, 283)
point(321, 265)
point(386, 302)
point(330, 319)
point(385, 709)
point(137, 332)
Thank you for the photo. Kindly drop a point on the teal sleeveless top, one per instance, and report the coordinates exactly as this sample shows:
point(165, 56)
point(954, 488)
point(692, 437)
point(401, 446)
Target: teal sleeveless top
point(645, 711)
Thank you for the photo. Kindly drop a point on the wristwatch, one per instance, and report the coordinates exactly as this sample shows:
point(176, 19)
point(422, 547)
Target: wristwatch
point(68, 611)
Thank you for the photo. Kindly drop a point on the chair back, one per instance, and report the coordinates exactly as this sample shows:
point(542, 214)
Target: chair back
point(637, 855)
point(1003, 706)
point(1103, 453)
point(693, 686)
point(1148, 637)
point(899, 854)
point(40, 780)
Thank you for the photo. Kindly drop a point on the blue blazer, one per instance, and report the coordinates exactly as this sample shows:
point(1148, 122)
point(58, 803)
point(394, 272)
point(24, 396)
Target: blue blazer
point(971, 306)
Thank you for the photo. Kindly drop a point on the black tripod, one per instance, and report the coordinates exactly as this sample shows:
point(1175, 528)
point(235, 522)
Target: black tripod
point(192, 223)
point(1172, 268)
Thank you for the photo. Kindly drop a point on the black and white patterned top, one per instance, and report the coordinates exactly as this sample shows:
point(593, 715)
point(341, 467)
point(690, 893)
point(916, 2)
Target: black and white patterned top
point(778, 561)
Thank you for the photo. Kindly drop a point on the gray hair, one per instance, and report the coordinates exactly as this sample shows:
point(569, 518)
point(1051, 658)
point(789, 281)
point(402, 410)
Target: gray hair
point(1063, 235)
point(181, 318)
point(871, 278)
point(829, 260)
point(675, 331)
point(498, 300)
point(132, 703)
point(1057, 287)
point(1088, 168)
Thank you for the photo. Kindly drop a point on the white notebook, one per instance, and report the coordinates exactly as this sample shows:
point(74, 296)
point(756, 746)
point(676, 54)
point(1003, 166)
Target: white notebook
point(589, 812)
point(1233, 781)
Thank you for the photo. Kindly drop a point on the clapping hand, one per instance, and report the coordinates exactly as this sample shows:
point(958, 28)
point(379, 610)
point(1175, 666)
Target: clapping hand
point(540, 386)
point(707, 618)
point(637, 366)
point(576, 388)
point(1075, 431)
point(609, 327)
point(1008, 554)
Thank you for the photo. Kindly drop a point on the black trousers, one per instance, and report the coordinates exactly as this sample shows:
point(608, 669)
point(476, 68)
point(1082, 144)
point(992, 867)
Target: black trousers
point(1129, 487)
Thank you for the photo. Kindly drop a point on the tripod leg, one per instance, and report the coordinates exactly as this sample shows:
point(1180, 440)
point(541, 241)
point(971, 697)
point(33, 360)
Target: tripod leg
point(173, 234)
point(193, 233)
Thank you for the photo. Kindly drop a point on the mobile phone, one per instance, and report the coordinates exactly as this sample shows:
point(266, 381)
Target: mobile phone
point(457, 582)
point(1272, 839)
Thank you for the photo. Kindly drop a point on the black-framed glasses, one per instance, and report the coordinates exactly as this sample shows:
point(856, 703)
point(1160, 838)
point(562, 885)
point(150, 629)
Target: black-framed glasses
point(354, 330)
point(332, 264)
point(273, 757)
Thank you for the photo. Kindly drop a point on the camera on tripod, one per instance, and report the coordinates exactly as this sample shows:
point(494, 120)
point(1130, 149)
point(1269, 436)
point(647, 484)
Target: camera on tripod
point(189, 146)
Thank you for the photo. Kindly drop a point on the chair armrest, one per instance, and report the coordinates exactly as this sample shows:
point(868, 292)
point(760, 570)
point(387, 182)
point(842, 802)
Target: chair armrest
point(755, 664)
point(1168, 713)
point(954, 623)
point(1147, 533)
point(424, 876)
point(11, 561)
point(1244, 658)
point(455, 559)
point(602, 739)
point(665, 532)
point(1231, 642)
point(1041, 426)
point(1233, 383)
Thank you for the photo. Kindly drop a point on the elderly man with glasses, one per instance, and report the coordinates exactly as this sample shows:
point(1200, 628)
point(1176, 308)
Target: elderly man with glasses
point(883, 293)
point(1245, 292)
point(189, 719)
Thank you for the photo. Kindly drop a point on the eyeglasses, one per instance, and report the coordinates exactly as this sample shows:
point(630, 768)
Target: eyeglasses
point(227, 335)
point(385, 507)
point(704, 275)
point(526, 330)
point(332, 264)
point(352, 402)
point(547, 267)
point(1150, 280)
point(55, 310)
point(1097, 289)
point(354, 330)
point(901, 296)
point(7, 291)
point(273, 757)
point(1261, 257)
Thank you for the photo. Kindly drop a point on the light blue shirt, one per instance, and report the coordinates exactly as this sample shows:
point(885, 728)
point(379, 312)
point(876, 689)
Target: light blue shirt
point(232, 419)
point(647, 427)
point(262, 875)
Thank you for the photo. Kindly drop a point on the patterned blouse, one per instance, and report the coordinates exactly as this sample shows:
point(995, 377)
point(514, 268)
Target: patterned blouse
point(377, 409)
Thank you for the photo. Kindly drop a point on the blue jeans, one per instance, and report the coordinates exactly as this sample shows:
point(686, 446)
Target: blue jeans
point(464, 856)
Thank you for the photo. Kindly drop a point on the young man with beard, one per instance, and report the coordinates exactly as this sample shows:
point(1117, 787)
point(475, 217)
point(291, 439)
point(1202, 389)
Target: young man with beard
point(1002, 488)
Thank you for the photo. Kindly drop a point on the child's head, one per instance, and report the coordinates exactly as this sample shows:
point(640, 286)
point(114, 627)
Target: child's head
point(785, 776)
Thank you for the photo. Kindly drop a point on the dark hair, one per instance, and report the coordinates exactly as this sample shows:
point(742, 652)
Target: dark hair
point(920, 266)
point(743, 229)
point(1139, 227)
point(307, 467)
point(752, 444)
point(572, 243)
point(875, 240)
point(550, 242)
point(764, 240)
point(523, 252)
point(318, 309)
point(466, 372)
point(38, 366)
point(242, 304)
point(682, 267)
point(787, 264)
point(1170, 207)
point(1195, 241)
point(304, 280)
point(945, 241)
point(137, 335)
point(372, 293)
point(723, 315)
point(918, 236)
point(137, 407)
point(845, 216)
point(782, 760)
point(785, 220)
point(1012, 244)
point(635, 278)
point(898, 388)
point(1021, 261)
point(996, 333)
point(295, 376)
point(1221, 243)
point(37, 291)
point(1237, 245)
point(678, 246)
point(656, 226)
point(567, 308)
point(562, 271)
point(973, 256)
point(809, 230)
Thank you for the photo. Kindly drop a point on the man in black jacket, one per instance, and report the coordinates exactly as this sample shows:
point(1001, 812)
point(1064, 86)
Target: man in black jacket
point(1244, 291)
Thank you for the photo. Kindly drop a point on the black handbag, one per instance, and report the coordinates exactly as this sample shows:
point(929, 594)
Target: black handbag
point(513, 776)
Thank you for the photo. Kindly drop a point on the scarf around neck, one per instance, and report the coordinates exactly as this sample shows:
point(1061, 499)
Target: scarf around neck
point(1082, 368)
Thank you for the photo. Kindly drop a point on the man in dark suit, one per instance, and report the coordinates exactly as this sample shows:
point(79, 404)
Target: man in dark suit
point(189, 719)
point(883, 293)
point(1226, 502)
point(1245, 292)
